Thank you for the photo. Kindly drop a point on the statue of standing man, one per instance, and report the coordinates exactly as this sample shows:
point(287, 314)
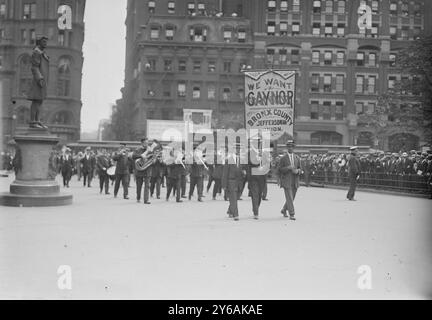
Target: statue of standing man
point(38, 89)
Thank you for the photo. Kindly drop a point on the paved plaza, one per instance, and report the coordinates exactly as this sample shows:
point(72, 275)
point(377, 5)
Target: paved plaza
point(120, 249)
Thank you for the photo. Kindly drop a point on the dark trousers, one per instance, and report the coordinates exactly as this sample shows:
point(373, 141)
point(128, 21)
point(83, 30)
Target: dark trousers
point(209, 183)
point(290, 194)
point(103, 182)
point(173, 184)
point(256, 188)
point(140, 180)
point(233, 190)
point(217, 187)
point(264, 192)
point(183, 185)
point(66, 178)
point(124, 179)
point(353, 186)
point(155, 182)
point(88, 176)
point(199, 183)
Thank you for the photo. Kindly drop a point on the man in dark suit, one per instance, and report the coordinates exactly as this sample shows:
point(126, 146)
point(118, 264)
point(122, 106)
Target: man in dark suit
point(353, 173)
point(122, 171)
point(217, 178)
point(66, 163)
point(232, 180)
point(289, 170)
point(174, 172)
point(257, 185)
point(197, 177)
point(157, 171)
point(103, 164)
point(88, 165)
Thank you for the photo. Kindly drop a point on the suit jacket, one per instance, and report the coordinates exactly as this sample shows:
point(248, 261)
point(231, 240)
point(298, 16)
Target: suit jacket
point(135, 156)
point(288, 178)
point(88, 164)
point(353, 166)
point(122, 163)
point(232, 172)
point(102, 162)
point(40, 70)
point(66, 165)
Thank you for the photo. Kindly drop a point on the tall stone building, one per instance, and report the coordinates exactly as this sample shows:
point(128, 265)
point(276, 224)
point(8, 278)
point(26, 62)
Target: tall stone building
point(21, 21)
point(190, 53)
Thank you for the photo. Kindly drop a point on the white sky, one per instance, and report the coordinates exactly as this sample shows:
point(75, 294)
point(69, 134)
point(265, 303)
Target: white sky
point(104, 59)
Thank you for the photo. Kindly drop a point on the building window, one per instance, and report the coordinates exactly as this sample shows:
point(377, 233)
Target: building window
point(404, 9)
point(314, 110)
point(339, 110)
point(226, 93)
point(339, 83)
point(295, 56)
point(25, 75)
point(227, 66)
point(393, 32)
point(24, 36)
point(340, 29)
point(370, 108)
point(359, 83)
point(169, 32)
point(182, 65)
point(211, 92)
point(201, 9)
point(191, 8)
point(315, 82)
point(63, 80)
point(371, 84)
point(171, 7)
point(151, 6)
point(2, 10)
point(404, 33)
point(61, 37)
point(196, 92)
point(329, 6)
point(374, 6)
point(393, 8)
point(283, 56)
point(2, 34)
point(317, 6)
point(211, 67)
point(29, 11)
point(315, 57)
point(241, 35)
point(296, 5)
point(168, 65)
point(391, 82)
point(340, 58)
point(283, 28)
point(151, 65)
point(328, 57)
point(1, 62)
point(372, 59)
point(359, 107)
point(327, 83)
point(360, 59)
point(271, 27)
point(284, 6)
point(227, 34)
point(316, 28)
point(154, 33)
point(197, 66)
point(374, 30)
point(271, 5)
point(166, 91)
point(328, 30)
point(295, 28)
point(240, 92)
point(341, 7)
point(416, 33)
point(181, 89)
point(198, 34)
point(326, 110)
point(32, 37)
point(417, 9)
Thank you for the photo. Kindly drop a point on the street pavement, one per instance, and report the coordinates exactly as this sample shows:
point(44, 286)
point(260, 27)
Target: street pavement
point(378, 247)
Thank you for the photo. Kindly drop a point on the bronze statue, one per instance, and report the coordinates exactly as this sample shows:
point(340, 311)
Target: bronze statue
point(38, 89)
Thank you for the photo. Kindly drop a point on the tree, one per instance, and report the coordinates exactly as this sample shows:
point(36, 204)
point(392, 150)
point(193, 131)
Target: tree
point(118, 128)
point(407, 106)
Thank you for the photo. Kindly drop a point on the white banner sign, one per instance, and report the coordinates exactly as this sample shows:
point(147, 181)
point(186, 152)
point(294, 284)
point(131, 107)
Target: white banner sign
point(269, 101)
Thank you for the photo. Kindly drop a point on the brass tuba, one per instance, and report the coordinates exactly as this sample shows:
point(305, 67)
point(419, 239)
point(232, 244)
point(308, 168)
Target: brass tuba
point(148, 158)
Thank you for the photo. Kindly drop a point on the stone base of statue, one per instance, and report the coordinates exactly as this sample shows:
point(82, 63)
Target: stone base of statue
point(35, 184)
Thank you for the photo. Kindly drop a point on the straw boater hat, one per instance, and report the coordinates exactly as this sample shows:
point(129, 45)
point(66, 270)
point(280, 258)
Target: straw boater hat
point(290, 143)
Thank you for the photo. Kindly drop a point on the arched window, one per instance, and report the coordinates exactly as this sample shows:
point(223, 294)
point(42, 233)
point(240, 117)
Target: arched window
point(63, 77)
point(198, 33)
point(25, 75)
point(62, 118)
point(23, 116)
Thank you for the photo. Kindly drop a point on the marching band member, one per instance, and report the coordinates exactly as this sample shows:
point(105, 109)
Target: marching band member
point(289, 170)
point(122, 170)
point(256, 184)
point(143, 176)
point(157, 171)
point(103, 164)
point(197, 176)
point(88, 165)
point(174, 172)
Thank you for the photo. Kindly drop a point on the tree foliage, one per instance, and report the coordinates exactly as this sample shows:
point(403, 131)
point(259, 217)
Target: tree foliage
point(118, 128)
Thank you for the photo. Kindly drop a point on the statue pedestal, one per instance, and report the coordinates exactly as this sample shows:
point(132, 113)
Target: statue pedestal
point(35, 184)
